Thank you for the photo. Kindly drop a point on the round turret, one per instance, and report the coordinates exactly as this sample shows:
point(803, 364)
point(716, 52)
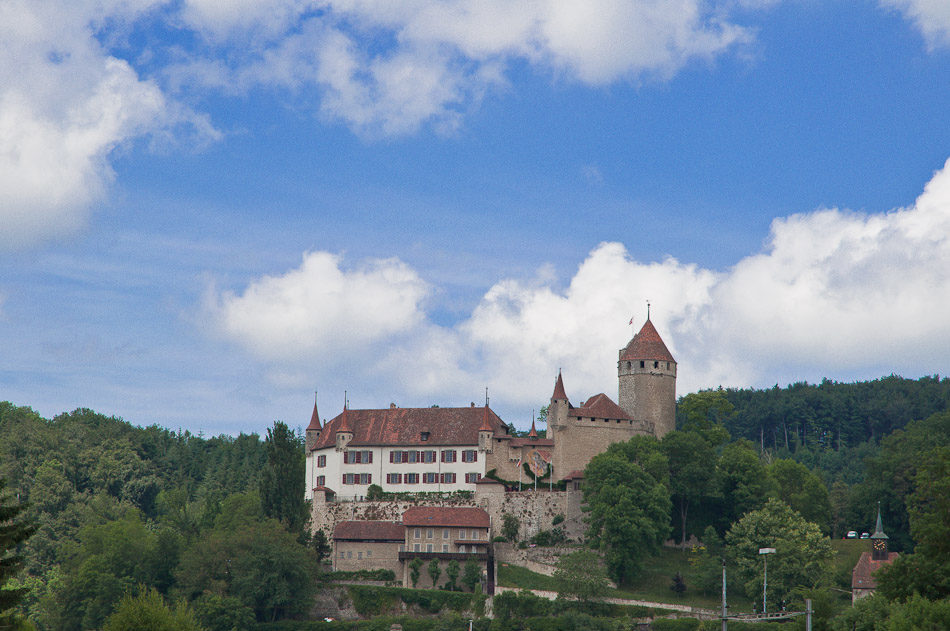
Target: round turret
point(647, 374)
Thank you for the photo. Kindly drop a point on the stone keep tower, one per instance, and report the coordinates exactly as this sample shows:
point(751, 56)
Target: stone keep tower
point(647, 374)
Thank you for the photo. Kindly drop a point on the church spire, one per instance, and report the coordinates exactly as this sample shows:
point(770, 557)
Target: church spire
point(559, 392)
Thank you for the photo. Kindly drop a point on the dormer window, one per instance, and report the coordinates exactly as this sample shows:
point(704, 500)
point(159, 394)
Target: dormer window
point(424, 436)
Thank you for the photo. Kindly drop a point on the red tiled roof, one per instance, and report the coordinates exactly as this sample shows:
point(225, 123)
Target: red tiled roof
point(342, 426)
point(559, 392)
point(325, 489)
point(862, 576)
point(486, 424)
point(404, 426)
point(533, 433)
point(576, 474)
point(646, 344)
point(314, 418)
point(600, 406)
point(451, 516)
point(369, 531)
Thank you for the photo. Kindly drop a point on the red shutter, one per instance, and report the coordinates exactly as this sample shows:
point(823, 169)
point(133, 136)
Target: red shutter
point(474, 456)
point(442, 456)
point(346, 458)
point(370, 454)
point(369, 478)
point(392, 455)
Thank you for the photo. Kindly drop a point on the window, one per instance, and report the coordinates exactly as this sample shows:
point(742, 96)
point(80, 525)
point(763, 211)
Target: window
point(448, 455)
point(469, 455)
point(445, 547)
point(393, 478)
point(471, 478)
point(321, 480)
point(641, 364)
point(461, 534)
point(462, 548)
point(321, 461)
point(428, 456)
point(369, 553)
point(342, 554)
point(412, 478)
point(445, 533)
point(366, 478)
point(667, 365)
point(416, 547)
point(349, 554)
point(347, 478)
point(430, 478)
point(447, 478)
point(359, 555)
point(412, 456)
point(358, 457)
point(428, 547)
point(656, 364)
point(397, 457)
point(428, 533)
point(424, 436)
point(418, 533)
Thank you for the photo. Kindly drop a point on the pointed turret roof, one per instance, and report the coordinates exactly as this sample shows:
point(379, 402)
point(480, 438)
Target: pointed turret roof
point(559, 392)
point(879, 527)
point(486, 424)
point(647, 344)
point(315, 417)
point(533, 433)
point(344, 427)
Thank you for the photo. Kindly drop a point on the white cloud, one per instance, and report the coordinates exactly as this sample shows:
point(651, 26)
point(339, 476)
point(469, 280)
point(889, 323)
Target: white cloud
point(389, 68)
point(834, 293)
point(321, 310)
point(65, 105)
point(932, 17)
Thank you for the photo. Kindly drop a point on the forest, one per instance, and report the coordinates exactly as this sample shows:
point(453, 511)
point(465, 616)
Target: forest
point(108, 517)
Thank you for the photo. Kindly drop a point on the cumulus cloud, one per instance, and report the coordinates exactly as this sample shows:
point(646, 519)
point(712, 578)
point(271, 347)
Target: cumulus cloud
point(321, 309)
point(833, 293)
point(65, 105)
point(389, 68)
point(932, 17)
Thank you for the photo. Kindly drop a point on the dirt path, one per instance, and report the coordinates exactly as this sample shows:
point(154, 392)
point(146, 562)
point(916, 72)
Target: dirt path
point(699, 612)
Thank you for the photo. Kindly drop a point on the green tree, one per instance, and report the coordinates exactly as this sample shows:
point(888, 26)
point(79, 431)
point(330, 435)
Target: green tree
point(415, 570)
point(509, 527)
point(452, 571)
point(14, 530)
point(803, 491)
point(744, 483)
point(282, 480)
point(471, 574)
point(580, 575)
point(216, 612)
point(434, 571)
point(628, 502)
point(876, 613)
point(320, 545)
point(704, 412)
point(692, 471)
point(148, 610)
point(801, 557)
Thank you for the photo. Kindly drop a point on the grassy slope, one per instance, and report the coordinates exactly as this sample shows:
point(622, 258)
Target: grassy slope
point(654, 581)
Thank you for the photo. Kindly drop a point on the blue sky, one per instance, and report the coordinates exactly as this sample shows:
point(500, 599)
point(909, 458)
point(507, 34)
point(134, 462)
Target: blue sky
point(209, 209)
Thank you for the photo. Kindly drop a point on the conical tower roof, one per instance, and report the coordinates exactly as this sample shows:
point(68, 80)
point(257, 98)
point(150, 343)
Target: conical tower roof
point(533, 433)
point(559, 392)
point(647, 344)
point(879, 527)
point(486, 425)
point(315, 417)
point(344, 426)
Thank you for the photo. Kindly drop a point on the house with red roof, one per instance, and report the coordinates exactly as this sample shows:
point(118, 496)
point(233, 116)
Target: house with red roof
point(444, 450)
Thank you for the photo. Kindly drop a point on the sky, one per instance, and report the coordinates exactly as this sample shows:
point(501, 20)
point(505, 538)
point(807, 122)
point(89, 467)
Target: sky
point(211, 210)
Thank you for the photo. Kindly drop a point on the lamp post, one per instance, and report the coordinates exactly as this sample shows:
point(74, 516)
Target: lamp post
point(765, 573)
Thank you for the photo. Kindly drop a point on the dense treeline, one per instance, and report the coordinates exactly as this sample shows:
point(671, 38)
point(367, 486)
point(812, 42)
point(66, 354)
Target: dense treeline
point(832, 414)
point(152, 515)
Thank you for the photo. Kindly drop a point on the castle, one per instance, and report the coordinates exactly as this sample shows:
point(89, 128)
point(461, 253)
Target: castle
point(443, 450)
point(451, 449)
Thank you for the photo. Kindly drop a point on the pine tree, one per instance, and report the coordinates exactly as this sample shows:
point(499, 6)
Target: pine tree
point(282, 480)
point(13, 531)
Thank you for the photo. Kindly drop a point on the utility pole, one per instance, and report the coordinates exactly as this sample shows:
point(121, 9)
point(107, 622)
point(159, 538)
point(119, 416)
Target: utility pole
point(724, 627)
point(765, 574)
point(808, 612)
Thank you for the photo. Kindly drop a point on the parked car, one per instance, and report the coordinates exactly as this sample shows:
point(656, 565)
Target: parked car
point(852, 534)
point(865, 535)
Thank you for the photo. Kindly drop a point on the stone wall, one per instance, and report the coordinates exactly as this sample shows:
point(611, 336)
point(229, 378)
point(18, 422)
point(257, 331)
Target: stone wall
point(535, 510)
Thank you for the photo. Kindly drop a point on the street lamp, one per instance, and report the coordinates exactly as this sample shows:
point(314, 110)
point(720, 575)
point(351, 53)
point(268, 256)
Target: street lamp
point(765, 573)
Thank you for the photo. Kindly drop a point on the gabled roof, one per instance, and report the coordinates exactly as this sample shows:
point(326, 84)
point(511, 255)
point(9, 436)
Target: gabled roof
point(405, 426)
point(862, 576)
point(646, 344)
point(532, 442)
point(369, 531)
point(448, 516)
point(559, 392)
point(599, 406)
